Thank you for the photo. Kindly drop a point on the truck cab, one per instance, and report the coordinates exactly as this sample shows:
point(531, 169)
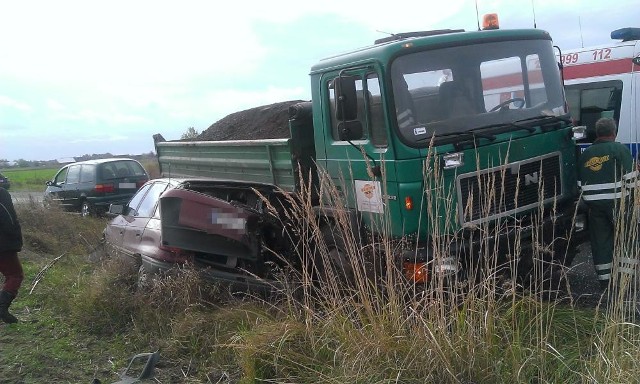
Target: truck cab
point(461, 134)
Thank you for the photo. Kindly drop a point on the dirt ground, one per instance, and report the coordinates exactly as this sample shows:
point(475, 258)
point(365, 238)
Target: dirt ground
point(263, 122)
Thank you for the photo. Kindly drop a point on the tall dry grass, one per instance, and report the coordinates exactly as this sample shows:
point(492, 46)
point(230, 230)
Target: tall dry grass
point(379, 328)
point(486, 325)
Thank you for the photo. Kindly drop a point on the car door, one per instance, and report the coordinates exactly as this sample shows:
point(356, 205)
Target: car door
point(70, 192)
point(54, 192)
point(114, 232)
point(142, 232)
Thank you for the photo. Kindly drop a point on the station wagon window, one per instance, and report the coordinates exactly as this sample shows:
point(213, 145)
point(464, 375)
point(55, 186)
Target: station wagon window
point(370, 111)
point(135, 200)
point(87, 173)
point(590, 101)
point(150, 201)
point(73, 175)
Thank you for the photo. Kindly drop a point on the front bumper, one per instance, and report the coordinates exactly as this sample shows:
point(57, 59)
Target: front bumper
point(553, 238)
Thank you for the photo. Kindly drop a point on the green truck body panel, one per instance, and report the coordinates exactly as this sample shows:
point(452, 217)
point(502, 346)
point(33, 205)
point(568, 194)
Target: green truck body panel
point(261, 161)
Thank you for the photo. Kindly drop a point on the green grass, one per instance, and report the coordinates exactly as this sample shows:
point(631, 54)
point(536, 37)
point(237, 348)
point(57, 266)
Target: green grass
point(29, 179)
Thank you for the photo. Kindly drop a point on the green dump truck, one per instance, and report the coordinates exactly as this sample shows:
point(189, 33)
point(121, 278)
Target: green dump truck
point(449, 137)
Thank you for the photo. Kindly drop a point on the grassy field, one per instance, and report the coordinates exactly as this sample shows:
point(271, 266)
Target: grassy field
point(29, 179)
point(83, 315)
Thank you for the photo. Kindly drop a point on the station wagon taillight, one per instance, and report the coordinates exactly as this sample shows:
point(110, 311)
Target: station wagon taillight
point(178, 255)
point(140, 183)
point(104, 188)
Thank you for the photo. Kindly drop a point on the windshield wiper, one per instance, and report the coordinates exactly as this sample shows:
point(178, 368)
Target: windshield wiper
point(508, 124)
point(544, 117)
point(452, 137)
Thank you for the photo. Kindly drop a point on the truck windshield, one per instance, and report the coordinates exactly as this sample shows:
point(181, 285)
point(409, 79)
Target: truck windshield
point(441, 92)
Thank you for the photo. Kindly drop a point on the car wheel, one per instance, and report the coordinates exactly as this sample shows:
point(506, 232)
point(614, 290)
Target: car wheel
point(85, 209)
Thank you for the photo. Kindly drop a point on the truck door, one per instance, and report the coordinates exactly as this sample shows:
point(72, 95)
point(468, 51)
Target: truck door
point(350, 162)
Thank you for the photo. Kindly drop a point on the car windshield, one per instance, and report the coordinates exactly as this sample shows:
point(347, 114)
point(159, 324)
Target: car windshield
point(455, 90)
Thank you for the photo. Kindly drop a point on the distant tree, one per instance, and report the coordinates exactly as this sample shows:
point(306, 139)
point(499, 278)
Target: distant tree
point(191, 133)
point(22, 163)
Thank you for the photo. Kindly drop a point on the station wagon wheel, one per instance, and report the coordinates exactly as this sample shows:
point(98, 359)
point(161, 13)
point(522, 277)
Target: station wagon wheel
point(85, 209)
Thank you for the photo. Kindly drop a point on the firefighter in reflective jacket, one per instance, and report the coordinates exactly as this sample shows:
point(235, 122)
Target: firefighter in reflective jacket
point(605, 175)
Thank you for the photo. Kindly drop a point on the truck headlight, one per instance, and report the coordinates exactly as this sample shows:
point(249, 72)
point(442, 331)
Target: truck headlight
point(579, 132)
point(453, 160)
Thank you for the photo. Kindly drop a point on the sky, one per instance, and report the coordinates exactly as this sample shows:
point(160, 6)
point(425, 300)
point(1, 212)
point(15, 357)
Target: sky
point(90, 77)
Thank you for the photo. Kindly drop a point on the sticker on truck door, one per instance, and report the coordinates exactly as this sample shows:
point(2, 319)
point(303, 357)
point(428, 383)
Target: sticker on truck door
point(369, 196)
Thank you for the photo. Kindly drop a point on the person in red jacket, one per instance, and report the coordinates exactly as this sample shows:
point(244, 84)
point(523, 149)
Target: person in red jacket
point(10, 245)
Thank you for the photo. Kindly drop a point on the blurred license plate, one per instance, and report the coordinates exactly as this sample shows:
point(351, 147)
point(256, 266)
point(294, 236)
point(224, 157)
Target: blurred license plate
point(127, 185)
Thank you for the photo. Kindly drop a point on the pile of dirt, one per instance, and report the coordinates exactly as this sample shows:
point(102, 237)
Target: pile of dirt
point(264, 122)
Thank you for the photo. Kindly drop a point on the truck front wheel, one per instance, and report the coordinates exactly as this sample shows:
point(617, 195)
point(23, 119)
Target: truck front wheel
point(332, 259)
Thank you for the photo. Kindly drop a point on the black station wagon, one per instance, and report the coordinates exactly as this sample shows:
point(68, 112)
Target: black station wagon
point(90, 187)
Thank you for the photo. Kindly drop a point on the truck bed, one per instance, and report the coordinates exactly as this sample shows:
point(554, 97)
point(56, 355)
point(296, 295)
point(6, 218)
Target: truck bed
point(263, 161)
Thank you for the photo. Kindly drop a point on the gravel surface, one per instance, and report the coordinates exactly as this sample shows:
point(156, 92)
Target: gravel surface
point(583, 283)
point(25, 197)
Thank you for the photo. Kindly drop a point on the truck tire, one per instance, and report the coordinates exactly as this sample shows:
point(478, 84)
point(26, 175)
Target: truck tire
point(331, 258)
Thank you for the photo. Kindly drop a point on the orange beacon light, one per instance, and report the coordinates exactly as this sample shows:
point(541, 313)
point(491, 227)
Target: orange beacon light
point(490, 21)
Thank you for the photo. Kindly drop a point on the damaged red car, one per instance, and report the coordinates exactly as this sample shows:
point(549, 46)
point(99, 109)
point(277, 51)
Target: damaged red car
point(215, 226)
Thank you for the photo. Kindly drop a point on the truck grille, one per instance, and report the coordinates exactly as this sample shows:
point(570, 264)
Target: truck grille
point(508, 189)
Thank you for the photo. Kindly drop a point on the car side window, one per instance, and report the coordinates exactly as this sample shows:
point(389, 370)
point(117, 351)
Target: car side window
point(135, 200)
point(73, 175)
point(61, 176)
point(87, 173)
point(150, 200)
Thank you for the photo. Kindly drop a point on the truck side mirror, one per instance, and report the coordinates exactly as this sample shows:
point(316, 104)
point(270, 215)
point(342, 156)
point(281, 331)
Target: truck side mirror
point(346, 98)
point(350, 130)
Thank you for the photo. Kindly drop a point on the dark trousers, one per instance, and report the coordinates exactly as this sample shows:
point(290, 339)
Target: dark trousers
point(601, 234)
point(11, 268)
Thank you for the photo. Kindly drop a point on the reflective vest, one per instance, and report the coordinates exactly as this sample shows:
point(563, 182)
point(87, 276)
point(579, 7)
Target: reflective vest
point(605, 173)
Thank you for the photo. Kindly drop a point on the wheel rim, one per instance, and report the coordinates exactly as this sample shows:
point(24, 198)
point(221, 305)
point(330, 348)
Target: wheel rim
point(85, 210)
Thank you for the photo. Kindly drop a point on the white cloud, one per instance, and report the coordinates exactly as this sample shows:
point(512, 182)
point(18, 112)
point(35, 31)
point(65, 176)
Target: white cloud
point(101, 139)
point(6, 101)
point(54, 105)
point(123, 42)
